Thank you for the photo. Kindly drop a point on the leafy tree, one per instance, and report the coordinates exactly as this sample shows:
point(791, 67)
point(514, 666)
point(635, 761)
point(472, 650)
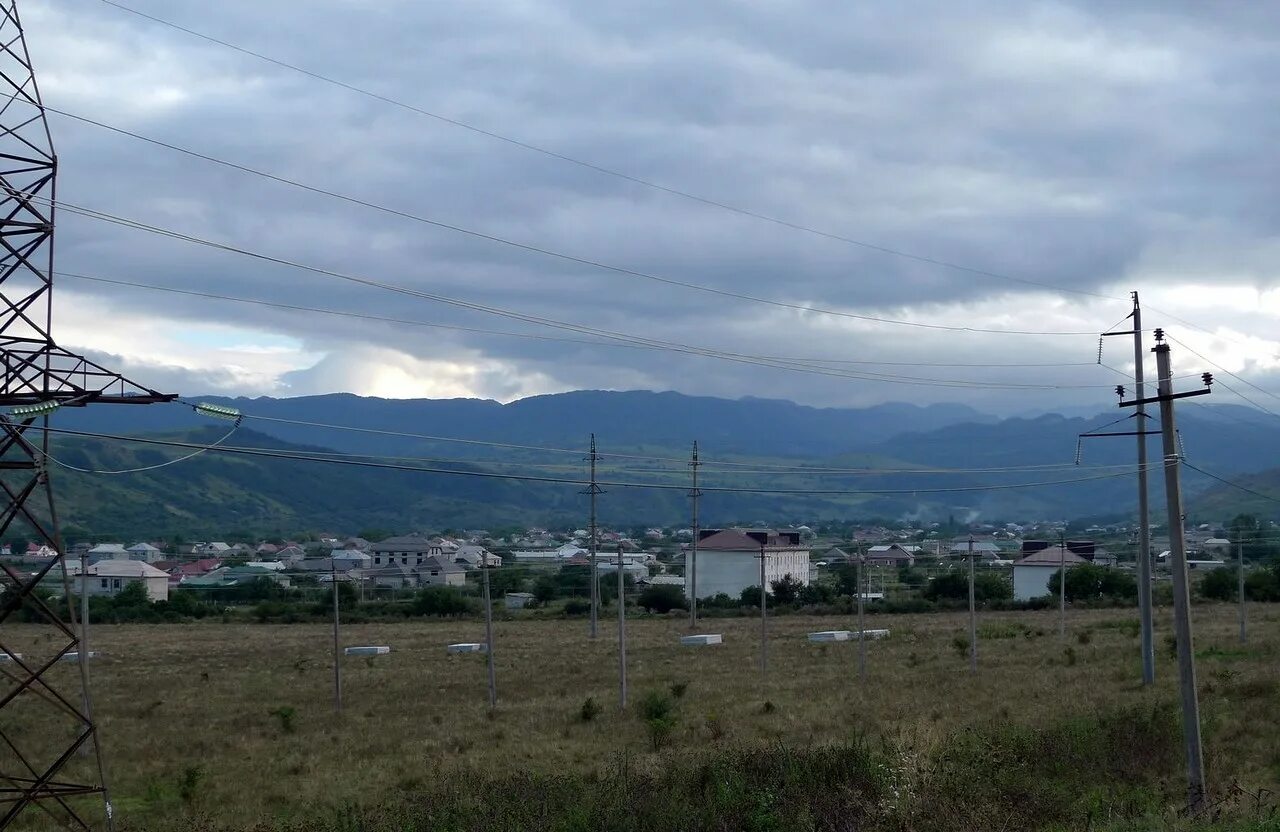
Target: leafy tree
point(545, 589)
point(786, 590)
point(750, 596)
point(1089, 580)
point(1250, 531)
point(662, 598)
point(573, 580)
point(508, 579)
point(846, 576)
point(374, 535)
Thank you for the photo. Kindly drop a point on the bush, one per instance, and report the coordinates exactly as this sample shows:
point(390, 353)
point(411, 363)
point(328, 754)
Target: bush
point(658, 710)
point(590, 709)
point(287, 715)
point(577, 606)
point(1089, 582)
point(662, 599)
point(987, 586)
point(1220, 584)
point(817, 593)
point(750, 596)
point(441, 601)
point(1263, 584)
point(786, 590)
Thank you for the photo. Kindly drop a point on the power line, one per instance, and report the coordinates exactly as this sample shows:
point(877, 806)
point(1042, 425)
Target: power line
point(772, 469)
point(289, 455)
point(610, 171)
point(656, 344)
point(1235, 485)
point(536, 249)
point(536, 336)
point(1225, 370)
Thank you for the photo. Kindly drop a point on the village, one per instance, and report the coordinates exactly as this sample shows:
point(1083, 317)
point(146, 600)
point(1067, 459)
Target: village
point(901, 562)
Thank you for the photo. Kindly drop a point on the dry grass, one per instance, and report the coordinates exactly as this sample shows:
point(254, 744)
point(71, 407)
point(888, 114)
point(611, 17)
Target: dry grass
point(195, 702)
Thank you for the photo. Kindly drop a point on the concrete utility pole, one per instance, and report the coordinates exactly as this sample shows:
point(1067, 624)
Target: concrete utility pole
point(488, 636)
point(337, 650)
point(622, 634)
point(862, 629)
point(691, 567)
point(594, 491)
point(1062, 583)
point(764, 618)
point(1145, 613)
point(1145, 605)
point(1196, 792)
point(1244, 633)
point(973, 616)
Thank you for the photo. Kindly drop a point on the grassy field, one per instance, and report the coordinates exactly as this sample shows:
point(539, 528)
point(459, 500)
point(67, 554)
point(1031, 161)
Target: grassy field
point(231, 725)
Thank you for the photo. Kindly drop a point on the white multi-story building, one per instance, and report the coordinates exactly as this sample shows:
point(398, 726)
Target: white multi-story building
point(729, 560)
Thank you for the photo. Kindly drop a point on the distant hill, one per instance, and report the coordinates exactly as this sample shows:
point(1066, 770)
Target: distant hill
point(634, 418)
point(1221, 501)
point(217, 493)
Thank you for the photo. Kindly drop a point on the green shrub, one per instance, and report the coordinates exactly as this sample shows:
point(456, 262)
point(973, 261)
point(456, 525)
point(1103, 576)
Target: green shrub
point(658, 710)
point(442, 601)
point(590, 709)
point(287, 715)
point(662, 598)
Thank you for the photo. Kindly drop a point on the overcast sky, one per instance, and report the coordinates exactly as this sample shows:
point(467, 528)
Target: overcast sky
point(1097, 146)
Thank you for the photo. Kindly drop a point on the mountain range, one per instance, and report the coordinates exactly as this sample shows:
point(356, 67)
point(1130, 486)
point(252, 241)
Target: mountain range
point(884, 462)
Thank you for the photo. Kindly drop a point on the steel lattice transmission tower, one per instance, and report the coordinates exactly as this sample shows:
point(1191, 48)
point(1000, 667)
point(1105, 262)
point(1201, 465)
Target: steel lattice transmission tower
point(48, 738)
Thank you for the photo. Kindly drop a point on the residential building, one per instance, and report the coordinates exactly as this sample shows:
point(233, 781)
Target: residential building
point(982, 549)
point(225, 576)
point(471, 556)
point(179, 570)
point(111, 577)
point(729, 559)
point(518, 600)
point(1216, 546)
point(107, 551)
point(1032, 572)
point(565, 552)
point(348, 559)
point(434, 570)
point(405, 550)
point(145, 552)
point(891, 554)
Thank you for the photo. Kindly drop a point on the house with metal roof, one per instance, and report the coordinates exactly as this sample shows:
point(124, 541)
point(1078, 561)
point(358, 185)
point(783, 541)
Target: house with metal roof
point(145, 552)
point(107, 551)
point(891, 554)
point(1031, 574)
point(111, 577)
point(729, 559)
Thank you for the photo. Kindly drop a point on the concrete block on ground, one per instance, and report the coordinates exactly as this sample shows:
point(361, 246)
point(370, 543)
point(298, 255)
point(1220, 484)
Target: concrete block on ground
point(370, 650)
point(702, 640)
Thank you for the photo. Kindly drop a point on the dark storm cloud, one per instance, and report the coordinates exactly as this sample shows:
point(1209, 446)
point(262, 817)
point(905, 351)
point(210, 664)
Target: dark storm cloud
point(1083, 145)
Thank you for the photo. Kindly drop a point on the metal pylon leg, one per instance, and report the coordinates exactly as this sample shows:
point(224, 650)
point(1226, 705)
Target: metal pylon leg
point(44, 719)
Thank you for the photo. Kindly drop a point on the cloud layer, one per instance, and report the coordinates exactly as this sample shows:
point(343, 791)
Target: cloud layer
point(1094, 146)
